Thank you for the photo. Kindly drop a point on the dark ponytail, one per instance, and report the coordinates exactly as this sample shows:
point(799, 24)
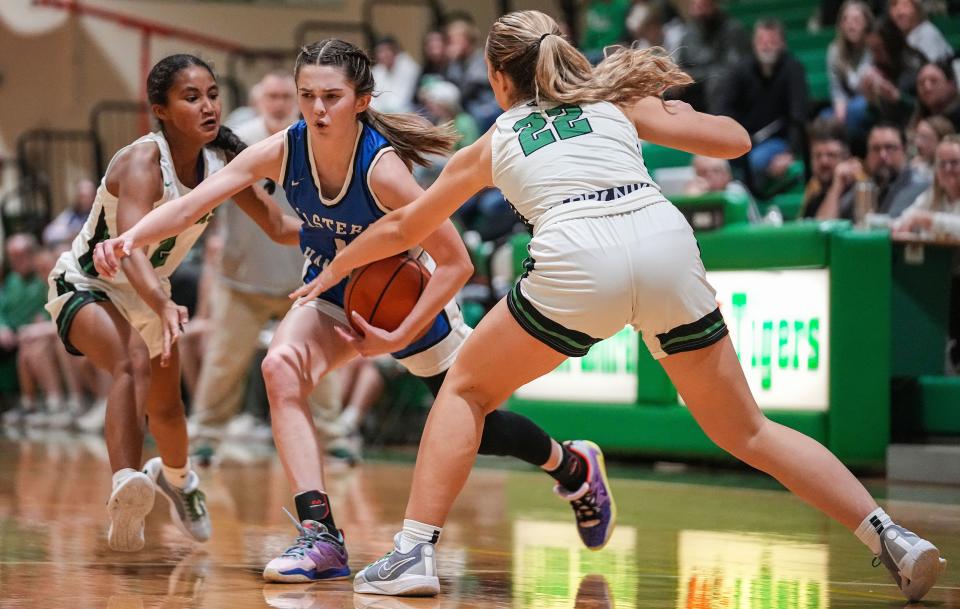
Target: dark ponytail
point(228, 141)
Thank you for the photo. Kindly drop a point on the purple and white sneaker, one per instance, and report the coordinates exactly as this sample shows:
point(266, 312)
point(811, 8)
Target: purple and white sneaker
point(592, 503)
point(316, 554)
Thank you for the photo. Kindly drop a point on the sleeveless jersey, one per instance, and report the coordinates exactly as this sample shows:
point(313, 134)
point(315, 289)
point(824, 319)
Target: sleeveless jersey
point(568, 160)
point(330, 224)
point(102, 221)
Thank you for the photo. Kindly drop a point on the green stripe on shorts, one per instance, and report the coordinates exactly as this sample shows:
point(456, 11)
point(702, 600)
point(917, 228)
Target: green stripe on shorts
point(698, 334)
point(569, 342)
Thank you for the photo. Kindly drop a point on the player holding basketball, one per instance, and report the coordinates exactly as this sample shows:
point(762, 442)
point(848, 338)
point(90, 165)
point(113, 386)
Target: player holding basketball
point(126, 323)
point(608, 250)
point(343, 168)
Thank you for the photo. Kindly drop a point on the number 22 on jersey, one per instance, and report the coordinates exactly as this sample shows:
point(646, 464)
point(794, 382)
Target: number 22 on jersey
point(534, 132)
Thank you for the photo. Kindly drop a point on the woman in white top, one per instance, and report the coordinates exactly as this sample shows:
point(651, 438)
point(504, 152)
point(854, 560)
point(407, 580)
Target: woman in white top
point(848, 59)
point(127, 325)
point(921, 34)
point(936, 211)
point(607, 250)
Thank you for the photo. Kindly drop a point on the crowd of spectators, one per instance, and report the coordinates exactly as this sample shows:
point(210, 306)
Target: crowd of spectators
point(887, 127)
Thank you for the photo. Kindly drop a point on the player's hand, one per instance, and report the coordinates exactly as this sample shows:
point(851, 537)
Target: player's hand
point(174, 317)
point(108, 253)
point(371, 340)
point(311, 290)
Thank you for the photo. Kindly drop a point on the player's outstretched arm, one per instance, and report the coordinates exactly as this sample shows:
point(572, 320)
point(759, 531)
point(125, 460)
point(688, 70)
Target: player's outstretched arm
point(259, 161)
point(257, 204)
point(677, 125)
point(467, 172)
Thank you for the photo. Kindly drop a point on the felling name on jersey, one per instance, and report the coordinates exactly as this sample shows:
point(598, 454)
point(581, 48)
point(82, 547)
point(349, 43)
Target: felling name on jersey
point(340, 228)
point(607, 194)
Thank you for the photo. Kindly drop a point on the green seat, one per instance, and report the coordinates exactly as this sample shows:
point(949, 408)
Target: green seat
point(734, 206)
point(656, 157)
point(789, 204)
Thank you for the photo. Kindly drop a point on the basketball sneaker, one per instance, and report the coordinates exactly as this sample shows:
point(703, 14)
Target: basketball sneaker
point(914, 563)
point(399, 574)
point(130, 502)
point(592, 503)
point(188, 506)
point(316, 554)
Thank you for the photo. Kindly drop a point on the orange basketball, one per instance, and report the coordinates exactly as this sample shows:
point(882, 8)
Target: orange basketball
point(384, 292)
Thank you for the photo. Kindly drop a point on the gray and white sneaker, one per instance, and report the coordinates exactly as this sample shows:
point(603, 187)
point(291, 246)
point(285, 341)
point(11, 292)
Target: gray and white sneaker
point(398, 574)
point(914, 563)
point(188, 507)
point(129, 503)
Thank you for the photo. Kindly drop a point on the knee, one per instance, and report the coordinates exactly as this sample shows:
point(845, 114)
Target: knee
point(135, 365)
point(281, 371)
point(740, 440)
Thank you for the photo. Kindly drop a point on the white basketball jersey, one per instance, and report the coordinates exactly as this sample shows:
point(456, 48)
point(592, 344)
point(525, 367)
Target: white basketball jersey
point(568, 160)
point(102, 222)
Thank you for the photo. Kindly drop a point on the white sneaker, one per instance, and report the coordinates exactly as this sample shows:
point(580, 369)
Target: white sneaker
point(92, 420)
point(248, 427)
point(129, 504)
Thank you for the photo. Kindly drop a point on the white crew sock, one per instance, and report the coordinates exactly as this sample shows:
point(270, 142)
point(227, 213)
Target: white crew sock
point(417, 532)
point(869, 530)
point(177, 476)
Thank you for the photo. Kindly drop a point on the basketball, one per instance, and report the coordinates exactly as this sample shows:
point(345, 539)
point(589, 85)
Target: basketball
point(384, 292)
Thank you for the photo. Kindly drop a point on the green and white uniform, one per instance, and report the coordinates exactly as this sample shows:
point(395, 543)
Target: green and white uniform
point(74, 282)
point(608, 249)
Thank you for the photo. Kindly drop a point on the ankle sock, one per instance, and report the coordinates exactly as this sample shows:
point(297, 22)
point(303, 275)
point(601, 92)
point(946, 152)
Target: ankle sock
point(417, 532)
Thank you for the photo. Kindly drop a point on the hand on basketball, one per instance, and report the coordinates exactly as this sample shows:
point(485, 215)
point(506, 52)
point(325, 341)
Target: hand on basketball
point(371, 340)
point(174, 317)
point(108, 253)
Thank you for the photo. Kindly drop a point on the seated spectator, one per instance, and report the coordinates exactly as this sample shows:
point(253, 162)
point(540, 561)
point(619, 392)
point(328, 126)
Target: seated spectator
point(441, 100)
point(712, 46)
point(767, 94)
point(713, 175)
point(937, 93)
point(43, 371)
point(936, 211)
point(23, 296)
point(467, 69)
point(655, 24)
point(847, 60)
point(396, 75)
point(434, 58)
point(921, 35)
point(890, 84)
point(895, 184)
point(605, 25)
point(68, 223)
point(926, 136)
point(828, 150)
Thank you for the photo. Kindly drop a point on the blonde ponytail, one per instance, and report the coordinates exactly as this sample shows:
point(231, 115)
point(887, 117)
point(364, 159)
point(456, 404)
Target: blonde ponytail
point(527, 47)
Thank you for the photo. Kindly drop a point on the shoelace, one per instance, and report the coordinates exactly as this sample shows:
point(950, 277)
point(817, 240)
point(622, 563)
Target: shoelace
point(585, 507)
point(306, 538)
point(194, 501)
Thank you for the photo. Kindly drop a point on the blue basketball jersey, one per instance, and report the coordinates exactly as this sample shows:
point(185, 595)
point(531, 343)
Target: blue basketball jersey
point(330, 224)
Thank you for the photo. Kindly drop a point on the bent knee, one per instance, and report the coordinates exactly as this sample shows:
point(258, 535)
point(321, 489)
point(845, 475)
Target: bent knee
point(135, 363)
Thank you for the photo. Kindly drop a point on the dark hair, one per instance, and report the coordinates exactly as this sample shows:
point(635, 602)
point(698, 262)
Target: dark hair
point(884, 124)
point(945, 65)
point(769, 23)
point(827, 130)
point(161, 79)
point(412, 136)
